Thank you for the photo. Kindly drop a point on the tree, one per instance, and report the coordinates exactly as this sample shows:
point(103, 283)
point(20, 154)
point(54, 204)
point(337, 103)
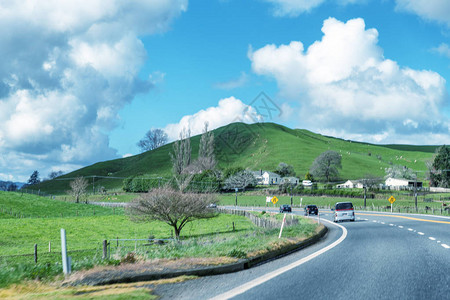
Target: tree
point(12, 187)
point(153, 139)
point(371, 181)
point(78, 190)
point(181, 156)
point(240, 180)
point(326, 165)
point(439, 171)
point(34, 178)
point(172, 207)
point(308, 176)
point(206, 159)
point(398, 171)
point(54, 174)
point(285, 170)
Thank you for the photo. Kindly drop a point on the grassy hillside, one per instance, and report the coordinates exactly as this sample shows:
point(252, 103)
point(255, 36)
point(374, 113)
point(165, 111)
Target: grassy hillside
point(259, 146)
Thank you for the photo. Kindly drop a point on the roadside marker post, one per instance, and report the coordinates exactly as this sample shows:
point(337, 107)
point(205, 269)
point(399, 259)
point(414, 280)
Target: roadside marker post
point(66, 261)
point(282, 225)
point(391, 200)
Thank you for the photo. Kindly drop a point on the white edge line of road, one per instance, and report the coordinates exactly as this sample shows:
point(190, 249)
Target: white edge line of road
point(260, 280)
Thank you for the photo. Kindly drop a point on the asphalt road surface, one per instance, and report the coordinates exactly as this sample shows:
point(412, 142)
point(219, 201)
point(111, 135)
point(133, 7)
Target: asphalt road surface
point(379, 256)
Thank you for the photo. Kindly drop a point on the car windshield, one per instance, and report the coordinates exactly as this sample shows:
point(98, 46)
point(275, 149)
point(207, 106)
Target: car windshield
point(345, 205)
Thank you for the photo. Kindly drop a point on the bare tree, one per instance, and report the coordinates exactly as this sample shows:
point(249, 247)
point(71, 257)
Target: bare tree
point(206, 159)
point(326, 165)
point(78, 190)
point(181, 156)
point(172, 207)
point(153, 139)
point(371, 181)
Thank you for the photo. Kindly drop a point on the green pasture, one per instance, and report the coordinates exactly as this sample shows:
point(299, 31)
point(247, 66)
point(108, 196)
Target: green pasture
point(18, 205)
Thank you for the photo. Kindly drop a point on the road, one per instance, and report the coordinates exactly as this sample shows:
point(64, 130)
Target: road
point(379, 256)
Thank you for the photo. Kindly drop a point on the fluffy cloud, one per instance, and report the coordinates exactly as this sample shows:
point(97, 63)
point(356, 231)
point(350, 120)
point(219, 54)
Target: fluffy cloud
point(66, 71)
point(293, 8)
point(433, 10)
point(229, 110)
point(442, 49)
point(345, 85)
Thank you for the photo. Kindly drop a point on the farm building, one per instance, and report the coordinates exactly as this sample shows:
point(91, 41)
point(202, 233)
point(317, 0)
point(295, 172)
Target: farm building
point(351, 184)
point(400, 183)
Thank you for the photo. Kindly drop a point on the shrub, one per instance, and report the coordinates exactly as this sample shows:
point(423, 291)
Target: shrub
point(237, 253)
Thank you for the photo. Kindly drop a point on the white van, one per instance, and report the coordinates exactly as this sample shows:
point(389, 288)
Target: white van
point(344, 211)
point(307, 183)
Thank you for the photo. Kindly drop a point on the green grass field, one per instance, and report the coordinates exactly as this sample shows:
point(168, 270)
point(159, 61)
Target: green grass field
point(224, 235)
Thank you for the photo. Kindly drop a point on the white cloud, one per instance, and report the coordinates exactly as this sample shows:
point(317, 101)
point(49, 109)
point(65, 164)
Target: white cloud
point(343, 81)
point(229, 110)
point(293, 7)
point(443, 49)
point(66, 71)
point(232, 84)
point(432, 10)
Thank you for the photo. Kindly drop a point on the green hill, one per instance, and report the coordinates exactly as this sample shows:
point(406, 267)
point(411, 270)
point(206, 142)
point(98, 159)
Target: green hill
point(259, 146)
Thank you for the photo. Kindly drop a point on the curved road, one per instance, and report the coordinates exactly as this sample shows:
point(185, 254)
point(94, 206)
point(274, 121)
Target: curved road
point(379, 256)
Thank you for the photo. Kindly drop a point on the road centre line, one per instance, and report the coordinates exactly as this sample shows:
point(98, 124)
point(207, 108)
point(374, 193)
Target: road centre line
point(405, 217)
point(400, 226)
point(445, 246)
point(410, 229)
point(421, 233)
point(260, 280)
point(432, 238)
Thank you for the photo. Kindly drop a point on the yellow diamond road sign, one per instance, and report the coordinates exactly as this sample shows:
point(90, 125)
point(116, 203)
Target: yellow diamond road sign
point(391, 199)
point(274, 199)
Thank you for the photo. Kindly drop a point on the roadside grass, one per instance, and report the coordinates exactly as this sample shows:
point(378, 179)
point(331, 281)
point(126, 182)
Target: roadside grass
point(224, 236)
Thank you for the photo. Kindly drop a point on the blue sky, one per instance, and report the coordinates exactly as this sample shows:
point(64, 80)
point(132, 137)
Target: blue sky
point(82, 84)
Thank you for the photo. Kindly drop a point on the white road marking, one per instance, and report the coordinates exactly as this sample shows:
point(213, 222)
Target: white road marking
point(382, 223)
point(366, 219)
point(400, 226)
point(432, 238)
point(421, 233)
point(410, 229)
point(391, 224)
point(445, 246)
point(266, 277)
point(374, 221)
point(438, 242)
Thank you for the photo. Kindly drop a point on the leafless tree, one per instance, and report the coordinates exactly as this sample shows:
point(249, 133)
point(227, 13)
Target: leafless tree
point(398, 171)
point(181, 156)
point(206, 159)
point(78, 190)
point(153, 139)
point(371, 181)
point(172, 207)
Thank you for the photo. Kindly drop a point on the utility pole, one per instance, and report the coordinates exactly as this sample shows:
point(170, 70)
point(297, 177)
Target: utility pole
point(236, 190)
point(415, 190)
point(365, 196)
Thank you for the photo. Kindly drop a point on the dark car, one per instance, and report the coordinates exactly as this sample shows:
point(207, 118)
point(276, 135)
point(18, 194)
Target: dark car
point(311, 210)
point(285, 208)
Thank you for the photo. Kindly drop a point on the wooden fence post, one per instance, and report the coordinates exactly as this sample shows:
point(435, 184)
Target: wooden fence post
point(35, 254)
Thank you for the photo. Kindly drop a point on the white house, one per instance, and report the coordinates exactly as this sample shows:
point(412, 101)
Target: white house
point(271, 178)
point(351, 184)
point(398, 183)
point(292, 180)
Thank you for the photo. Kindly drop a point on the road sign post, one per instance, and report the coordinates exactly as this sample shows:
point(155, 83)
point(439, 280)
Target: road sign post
point(391, 200)
point(274, 200)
